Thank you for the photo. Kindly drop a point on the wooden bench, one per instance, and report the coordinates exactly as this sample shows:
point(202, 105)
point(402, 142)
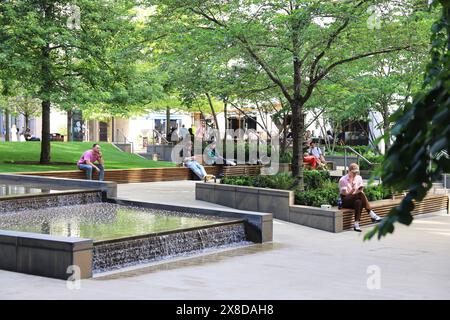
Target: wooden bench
point(240, 170)
point(431, 203)
point(130, 175)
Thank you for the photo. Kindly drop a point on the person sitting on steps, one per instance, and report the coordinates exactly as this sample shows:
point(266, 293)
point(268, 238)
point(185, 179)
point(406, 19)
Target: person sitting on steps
point(351, 192)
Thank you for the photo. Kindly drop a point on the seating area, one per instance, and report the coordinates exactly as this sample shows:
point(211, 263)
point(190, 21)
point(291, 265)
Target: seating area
point(240, 170)
point(153, 174)
point(431, 203)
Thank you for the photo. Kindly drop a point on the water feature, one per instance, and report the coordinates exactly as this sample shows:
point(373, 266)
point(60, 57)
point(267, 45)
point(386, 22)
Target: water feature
point(126, 235)
point(37, 201)
point(7, 190)
point(45, 230)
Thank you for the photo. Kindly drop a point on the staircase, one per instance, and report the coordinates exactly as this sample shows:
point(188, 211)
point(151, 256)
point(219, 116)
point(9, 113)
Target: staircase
point(438, 188)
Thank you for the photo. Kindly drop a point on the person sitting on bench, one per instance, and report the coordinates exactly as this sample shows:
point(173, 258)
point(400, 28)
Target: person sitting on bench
point(351, 192)
point(311, 160)
point(213, 157)
point(86, 162)
point(187, 154)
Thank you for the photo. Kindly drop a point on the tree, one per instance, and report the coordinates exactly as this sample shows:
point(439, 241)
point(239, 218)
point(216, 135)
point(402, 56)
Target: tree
point(66, 54)
point(421, 129)
point(297, 44)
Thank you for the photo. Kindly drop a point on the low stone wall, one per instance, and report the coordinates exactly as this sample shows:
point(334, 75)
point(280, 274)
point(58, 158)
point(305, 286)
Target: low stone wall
point(44, 255)
point(340, 160)
point(110, 188)
point(273, 201)
point(281, 204)
point(258, 225)
point(323, 219)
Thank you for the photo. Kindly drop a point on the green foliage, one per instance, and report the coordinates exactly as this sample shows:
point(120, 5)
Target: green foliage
point(421, 129)
point(315, 179)
point(327, 194)
point(282, 181)
point(286, 157)
point(378, 192)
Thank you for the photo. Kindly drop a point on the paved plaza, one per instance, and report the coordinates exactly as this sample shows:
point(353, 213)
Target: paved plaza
point(301, 263)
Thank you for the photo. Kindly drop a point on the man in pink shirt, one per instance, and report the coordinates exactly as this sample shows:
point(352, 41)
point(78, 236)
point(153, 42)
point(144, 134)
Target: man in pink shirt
point(353, 197)
point(86, 162)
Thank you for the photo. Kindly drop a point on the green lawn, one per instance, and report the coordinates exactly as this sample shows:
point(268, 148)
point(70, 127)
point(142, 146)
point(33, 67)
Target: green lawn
point(67, 152)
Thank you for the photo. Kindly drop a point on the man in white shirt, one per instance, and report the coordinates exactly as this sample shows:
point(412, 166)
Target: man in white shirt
point(317, 153)
point(184, 132)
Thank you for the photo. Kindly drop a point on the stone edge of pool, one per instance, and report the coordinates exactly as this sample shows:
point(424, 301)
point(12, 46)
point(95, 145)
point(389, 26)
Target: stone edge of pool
point(52, 256)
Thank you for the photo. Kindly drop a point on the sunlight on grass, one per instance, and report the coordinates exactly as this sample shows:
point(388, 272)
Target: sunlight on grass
point(67, 152)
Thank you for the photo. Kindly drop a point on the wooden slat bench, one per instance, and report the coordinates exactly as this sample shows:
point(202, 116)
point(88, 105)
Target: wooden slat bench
point(431, 203)
point(131, 175)
point(240, 170)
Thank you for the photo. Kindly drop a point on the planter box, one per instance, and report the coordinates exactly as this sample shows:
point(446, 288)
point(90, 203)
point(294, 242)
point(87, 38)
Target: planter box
point(272, 201)
point(281, 204)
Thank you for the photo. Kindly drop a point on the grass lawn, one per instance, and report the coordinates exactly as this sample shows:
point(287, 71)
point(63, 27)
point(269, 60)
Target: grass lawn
point(68, 152)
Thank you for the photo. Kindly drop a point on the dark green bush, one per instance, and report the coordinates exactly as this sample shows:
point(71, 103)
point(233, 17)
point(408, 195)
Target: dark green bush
point(328, 194)
point(378, 192)
point(315, 179)
point(283, 181)
point(286, 157)
point(238, 181)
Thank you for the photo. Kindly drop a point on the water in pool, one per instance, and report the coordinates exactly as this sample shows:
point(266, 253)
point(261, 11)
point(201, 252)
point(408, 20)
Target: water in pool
point(101, 221)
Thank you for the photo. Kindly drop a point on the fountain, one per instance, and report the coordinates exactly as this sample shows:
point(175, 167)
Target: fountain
point(45, 231)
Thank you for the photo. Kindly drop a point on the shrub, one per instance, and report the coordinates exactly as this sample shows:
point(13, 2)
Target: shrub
point(286, 157)
point(329, 194)
point(378, 192)
point(238, 181)
point(283, 181)
point(315, 179)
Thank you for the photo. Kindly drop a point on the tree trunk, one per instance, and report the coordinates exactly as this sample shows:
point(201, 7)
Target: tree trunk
point(213, 111)
point(7, 125)
point(297, 128)
point(386, 126)
point(27, 119)
point(225, 113)
point(69, 125)
point(283, 146)
point(167, 122)
point(45, 144)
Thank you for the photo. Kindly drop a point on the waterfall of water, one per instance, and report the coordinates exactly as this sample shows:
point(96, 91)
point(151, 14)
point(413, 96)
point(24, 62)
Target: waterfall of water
point(112, 255)
point(48, 201)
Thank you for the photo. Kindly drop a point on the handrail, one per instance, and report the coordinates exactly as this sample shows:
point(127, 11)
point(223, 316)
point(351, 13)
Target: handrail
point(355, 152)
point(159, 134)
point(125, 139)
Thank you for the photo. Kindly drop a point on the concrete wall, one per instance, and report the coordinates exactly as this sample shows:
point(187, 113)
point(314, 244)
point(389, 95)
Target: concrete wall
point(110, 188)
point(340, 160)
point(44, 255)
point(258, 225)
point(278, 202)
point(163, 151)
point(323, 219)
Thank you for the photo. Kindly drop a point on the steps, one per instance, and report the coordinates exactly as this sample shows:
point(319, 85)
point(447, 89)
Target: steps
point(438, 188)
